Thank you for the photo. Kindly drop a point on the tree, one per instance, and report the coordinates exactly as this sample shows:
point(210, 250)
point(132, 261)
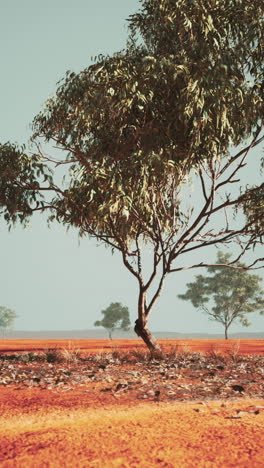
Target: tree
point(20, 189)
point(116, 317)
point(235, 293)
point(183, 102)
point(7, 318)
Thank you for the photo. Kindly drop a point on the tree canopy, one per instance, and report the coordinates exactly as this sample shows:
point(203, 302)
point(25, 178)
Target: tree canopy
point(20, 178)
point(183, 101)
point(116, 317)
point(7, 317)
point(234, 292)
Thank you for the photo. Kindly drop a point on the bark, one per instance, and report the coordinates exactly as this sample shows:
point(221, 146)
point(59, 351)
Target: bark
point(141, 325)
point(226, 336)
point(149, 339)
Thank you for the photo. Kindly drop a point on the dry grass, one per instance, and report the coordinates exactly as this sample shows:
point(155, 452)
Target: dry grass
point(216, 353)
point(69, 354)
point(73, 354)
point(233, 353)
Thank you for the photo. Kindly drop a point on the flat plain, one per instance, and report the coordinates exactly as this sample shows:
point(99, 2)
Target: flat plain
point(101, 403)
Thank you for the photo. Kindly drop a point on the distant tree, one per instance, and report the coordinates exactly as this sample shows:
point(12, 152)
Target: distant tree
point(7, 318)
point(234, 292)
point(116, 317)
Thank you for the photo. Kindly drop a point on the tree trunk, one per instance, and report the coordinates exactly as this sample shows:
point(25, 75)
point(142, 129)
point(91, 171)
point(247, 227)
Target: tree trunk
point(149, 339)
point(141, 326)
point(226, 336)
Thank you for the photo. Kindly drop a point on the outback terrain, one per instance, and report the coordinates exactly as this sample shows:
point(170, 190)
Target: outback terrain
point(91, 403)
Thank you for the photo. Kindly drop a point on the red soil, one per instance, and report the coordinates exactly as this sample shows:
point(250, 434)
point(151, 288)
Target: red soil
point(98, 346)
point(76, 428)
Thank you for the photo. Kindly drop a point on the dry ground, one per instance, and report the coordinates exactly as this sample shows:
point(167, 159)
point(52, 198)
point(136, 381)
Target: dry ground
point(79, 408)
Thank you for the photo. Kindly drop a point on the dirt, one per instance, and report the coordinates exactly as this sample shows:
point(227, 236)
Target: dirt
point(121, 410)
point(95, 346)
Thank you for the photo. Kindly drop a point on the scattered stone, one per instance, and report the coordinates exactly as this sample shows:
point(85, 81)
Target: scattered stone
point(121, 386)
point(238, 388)
point(198, 376)
point(254, 411)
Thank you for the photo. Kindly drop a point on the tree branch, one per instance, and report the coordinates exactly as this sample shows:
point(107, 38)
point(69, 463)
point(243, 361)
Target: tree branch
point(156, 295)
point(254, 143)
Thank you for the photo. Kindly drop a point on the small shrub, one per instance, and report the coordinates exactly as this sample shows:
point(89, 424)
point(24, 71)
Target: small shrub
point(140, 354)
point(117, 354)
point(9, 357)
point(32, 357)
point(216, 354)
point(233, 352)
point(53, 355)
point(172, 352)
point(71, 353)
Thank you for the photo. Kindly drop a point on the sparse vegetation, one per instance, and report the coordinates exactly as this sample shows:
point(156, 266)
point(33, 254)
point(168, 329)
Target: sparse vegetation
point(71, 353)
point(176, 374)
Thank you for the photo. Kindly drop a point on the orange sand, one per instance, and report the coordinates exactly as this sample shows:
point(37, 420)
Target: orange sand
point(96, 346)
point(65, 431)
point(58, 428)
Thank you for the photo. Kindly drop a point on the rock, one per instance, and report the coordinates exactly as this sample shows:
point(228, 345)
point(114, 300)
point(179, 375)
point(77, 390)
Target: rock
point(238, 388)
point(122, 384)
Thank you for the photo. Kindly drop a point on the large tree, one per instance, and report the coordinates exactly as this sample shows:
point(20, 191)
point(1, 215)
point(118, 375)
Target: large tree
point(234, 292)
point(183, 102)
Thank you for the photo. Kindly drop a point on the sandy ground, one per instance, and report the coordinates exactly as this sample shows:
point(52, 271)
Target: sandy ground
point(214, 434)
point(95, 346)
point(58, 428)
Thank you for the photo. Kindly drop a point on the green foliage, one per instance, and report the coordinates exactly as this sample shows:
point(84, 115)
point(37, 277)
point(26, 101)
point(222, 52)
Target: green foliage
point(136, 120)
point(7, 317)
point(134, 124)
point(178, 94)
point(20, 177)
point(116, 317)
point(254, 209)
point(210, 49)
point(234, 292)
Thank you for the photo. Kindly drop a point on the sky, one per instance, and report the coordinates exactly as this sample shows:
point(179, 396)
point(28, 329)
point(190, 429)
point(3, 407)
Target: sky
point(48, 276)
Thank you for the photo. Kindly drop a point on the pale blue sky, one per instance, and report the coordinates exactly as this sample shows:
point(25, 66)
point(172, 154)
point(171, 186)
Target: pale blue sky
point(51, 280)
